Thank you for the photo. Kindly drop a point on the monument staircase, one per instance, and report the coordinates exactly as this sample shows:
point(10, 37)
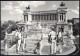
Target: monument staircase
point(31, 45)
point(32, 40)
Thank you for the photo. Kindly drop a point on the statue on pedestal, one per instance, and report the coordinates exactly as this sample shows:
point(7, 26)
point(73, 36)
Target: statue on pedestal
point(28, 7)
point(62, 4)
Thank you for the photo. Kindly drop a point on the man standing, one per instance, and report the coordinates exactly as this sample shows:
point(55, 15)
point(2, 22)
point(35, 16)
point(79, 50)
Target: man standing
point(53, 44)
point(18, 38)
point(60, 41)
point(60, 35)
point(23, 34)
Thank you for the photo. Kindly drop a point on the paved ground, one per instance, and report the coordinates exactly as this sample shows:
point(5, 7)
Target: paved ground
point(45, 50)
point(66, 50)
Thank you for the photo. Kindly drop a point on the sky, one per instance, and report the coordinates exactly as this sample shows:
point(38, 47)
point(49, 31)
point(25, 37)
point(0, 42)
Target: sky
point(13, 10)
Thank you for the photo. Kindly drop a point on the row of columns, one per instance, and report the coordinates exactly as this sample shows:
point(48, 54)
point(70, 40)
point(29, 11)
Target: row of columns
point(44, 17)
point(25, 18)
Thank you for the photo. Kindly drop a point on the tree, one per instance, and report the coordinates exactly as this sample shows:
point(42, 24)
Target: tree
point(4, 27)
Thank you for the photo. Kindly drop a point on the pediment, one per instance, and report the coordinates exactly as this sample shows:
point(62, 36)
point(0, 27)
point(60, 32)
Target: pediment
point(62, 11)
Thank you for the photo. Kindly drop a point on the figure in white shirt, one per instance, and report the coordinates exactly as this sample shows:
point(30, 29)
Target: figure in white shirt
point(18, 37)
point(60, 41)
point(60, 35)
point(72, 38)
point(23, 34)
point(53, 42)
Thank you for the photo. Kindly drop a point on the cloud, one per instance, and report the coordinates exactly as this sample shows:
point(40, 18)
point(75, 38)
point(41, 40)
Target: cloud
point(16, 7)
point(37, 3)
point(32, 3)
point(12, 9)
point(22, 3)
point(12, 12)
point(54, 6)
point(7, 7)
point(18, 11)
point(10, 3)
point(73, 10)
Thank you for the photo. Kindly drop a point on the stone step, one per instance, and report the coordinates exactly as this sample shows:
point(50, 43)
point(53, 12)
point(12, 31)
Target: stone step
point(12, 53)
point(30, 51)
point(28, 47)
point(33, 39)
point(31, 42)
point(36, 40)
point(31, 45)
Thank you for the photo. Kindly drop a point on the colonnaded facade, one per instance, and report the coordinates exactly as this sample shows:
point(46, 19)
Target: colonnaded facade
point(48, 18)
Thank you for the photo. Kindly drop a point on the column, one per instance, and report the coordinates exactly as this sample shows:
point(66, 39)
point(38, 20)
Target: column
point(54, 16)
point(62, 16)
point(47, 17)
point(34, 17)
point(43, 17)
point(37, 17)
point(24, 19)
point(57, 17)
point(40, 17)
point(51, 17)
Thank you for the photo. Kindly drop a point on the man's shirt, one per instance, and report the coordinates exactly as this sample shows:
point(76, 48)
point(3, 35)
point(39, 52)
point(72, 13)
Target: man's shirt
point(60, 34)
point(23, 34)
point(53, 34)
point(18, 34)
